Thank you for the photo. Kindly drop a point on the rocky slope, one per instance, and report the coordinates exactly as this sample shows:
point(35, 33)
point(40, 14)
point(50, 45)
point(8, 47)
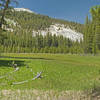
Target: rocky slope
point(27, 19)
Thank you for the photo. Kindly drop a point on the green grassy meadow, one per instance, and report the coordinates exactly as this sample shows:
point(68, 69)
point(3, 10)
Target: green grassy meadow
point(60, 72)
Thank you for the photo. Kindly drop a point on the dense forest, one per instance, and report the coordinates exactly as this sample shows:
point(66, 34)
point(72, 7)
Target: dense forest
point(21, 39)
point(92, 32)
point(21, 43)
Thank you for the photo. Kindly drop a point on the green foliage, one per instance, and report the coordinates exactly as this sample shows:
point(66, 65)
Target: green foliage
point(39, 44)
point(92, 32)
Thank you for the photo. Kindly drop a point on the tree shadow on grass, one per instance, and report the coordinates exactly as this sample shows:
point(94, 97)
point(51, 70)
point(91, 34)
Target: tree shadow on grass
point(38, 58)
point(8, 63)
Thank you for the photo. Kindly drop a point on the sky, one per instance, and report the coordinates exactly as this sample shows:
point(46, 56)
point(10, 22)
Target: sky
point(71, 10)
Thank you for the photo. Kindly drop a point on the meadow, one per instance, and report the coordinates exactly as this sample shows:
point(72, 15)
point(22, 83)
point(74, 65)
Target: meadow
point(60, 72)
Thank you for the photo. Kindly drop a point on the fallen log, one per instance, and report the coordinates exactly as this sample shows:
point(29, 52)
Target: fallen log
point(16, 69)
point(37, 76)
point(22, 82)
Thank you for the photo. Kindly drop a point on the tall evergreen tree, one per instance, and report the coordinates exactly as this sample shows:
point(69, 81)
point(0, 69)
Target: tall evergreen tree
point(86, 35)
point(95, 12)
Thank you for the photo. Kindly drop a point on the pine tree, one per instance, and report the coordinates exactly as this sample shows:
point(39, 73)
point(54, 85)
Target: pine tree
point(95, 12)
point(4, 5)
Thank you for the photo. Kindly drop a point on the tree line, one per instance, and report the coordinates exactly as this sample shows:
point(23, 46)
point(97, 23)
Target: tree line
point(21, 40)
point(26, 43)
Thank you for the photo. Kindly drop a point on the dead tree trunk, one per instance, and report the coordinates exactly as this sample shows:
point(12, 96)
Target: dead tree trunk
point(4, 12)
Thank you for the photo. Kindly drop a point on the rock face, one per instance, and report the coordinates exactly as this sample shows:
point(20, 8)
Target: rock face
point(60, 29)
point(23, 9)
point(10, 23)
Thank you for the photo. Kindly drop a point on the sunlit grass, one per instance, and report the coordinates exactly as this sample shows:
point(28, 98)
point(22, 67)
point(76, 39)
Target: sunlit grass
point(60, 72)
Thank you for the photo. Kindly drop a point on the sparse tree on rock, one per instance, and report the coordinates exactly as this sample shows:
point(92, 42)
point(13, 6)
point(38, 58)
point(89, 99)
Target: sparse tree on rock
point(4, 6)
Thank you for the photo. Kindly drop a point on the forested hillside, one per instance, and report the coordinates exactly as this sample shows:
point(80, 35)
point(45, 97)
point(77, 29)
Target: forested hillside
point(36, 21)
point(17, 34)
